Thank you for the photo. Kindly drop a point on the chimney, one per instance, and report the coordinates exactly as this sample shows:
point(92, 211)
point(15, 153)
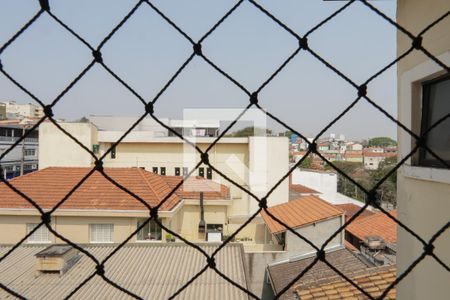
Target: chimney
point(56, 259)
point(201, 224)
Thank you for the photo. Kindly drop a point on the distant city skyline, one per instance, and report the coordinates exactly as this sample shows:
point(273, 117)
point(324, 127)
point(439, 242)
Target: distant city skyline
point(147, 51)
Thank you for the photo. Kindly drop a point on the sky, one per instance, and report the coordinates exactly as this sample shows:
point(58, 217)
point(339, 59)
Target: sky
point(249, 46)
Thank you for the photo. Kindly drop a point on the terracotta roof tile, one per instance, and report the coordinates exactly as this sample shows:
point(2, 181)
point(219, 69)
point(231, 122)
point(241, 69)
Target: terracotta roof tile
point(48, 186)
point(374, 281)
point(191, 188)
point(300, 212)
point(299, 188)
point(351, 209)
point(377, 224)
point(284, 273)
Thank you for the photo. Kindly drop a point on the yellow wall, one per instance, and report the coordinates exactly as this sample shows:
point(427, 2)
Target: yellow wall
point(423, 204)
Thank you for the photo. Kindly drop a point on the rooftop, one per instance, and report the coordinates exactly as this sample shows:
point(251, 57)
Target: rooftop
point(153, 271)
point(374, 281)
point(300, 212)
point(350, 210)
point(343, 259)
point(301, 189)
point(377, 224)
point(48, 186)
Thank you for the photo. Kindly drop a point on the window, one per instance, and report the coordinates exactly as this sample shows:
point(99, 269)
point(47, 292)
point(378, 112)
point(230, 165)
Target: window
point(177, 171)
point(29, 152)
point(185, 171)
point(101, 233)
point(436, 105)
point(163, 170)
point(41, 235)
point(113, 152)
point(201, 172)
point(150, 232)
point(208, 173)
point(155, 170)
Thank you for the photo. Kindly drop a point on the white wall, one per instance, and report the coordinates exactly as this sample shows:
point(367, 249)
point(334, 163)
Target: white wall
point(317, 233)
point(268, 163)
point(325, 183)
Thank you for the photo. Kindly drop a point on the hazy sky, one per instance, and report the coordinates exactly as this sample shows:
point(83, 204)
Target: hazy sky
point(248, 45)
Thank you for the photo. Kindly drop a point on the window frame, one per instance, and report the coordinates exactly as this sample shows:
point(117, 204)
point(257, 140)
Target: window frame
point(201, 172)
point(162, 171)
point(425, 122)
point(113, 152)
point(91, 235)
point(177, 171)
point(148, 224)
point(43, 227)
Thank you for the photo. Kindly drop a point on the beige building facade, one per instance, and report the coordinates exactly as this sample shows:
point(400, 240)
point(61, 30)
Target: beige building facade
point(255, 163)
point(28, 110)
point(423, 191)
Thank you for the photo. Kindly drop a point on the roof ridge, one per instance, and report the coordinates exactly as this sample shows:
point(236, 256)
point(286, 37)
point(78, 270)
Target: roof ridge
point(141, 172)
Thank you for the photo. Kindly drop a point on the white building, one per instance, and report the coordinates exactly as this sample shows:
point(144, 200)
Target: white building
point(18, 111)
point(24, 155)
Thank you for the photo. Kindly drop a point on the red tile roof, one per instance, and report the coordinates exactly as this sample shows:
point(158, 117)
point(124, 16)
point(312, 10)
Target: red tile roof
point(350, 209)
point(299, 188)
point(48, 186)
point(377, 224)
point(375, 281)
point(191, 188)
point(296, 213)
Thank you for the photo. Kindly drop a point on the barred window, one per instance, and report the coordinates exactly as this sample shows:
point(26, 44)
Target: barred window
point(101, 233)
point(41, 235)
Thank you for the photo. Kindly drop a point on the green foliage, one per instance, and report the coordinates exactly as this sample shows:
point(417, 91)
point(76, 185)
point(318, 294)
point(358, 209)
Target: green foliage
point(382, 141)
point(386, 192)
point(250, 131)
point(306, 163)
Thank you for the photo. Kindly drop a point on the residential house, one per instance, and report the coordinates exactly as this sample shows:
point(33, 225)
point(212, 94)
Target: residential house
point(353, 156)
point(309, 216)
point(101, 212)
point(372, 159)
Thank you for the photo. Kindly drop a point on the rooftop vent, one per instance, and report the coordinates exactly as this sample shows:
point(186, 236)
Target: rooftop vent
point(374, 242)
point(56, 259)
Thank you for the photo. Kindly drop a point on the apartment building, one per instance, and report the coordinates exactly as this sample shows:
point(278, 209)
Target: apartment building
point(255, 163)
point(24, 155)
point(423, 183)
point(17, 111)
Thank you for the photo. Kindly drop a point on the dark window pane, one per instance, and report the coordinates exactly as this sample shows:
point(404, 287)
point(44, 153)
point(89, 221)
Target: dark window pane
point(177, 171)
point(155, 170)
point(163, 171)
point(209, 173)
point(201, 172)
point(436, 105)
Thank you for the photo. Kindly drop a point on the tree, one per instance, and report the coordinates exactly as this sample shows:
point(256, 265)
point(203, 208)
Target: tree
point(382, 141)
point(306, 163)
point(83, 120)
point(250, 131)
point(387, 192)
